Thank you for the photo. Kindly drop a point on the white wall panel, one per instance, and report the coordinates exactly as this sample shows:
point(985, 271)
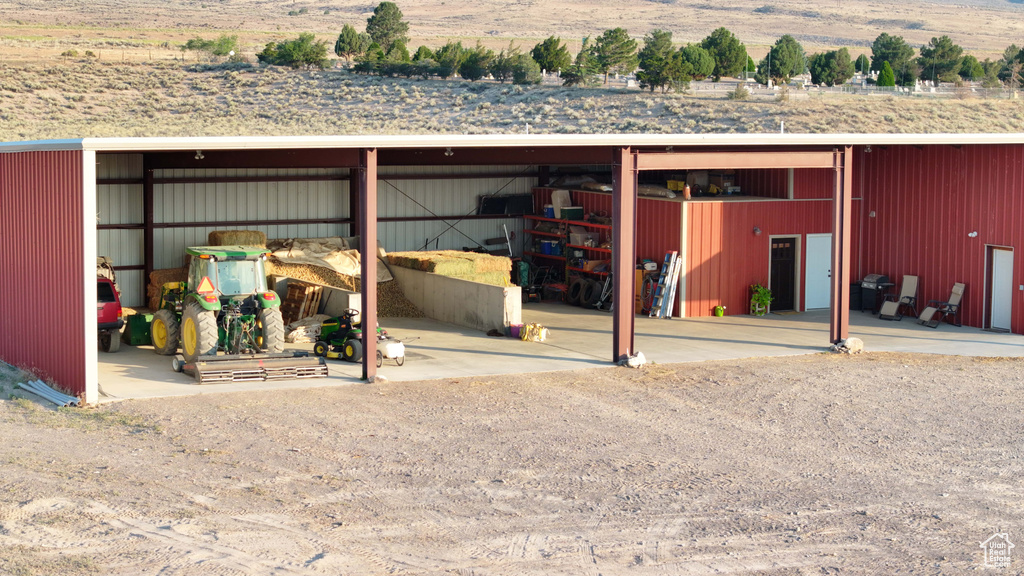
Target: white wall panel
point(119, 204)
point(403, 236)
point(250, 201)
point(130, 283)
point(452, 198)
point(124, 247)
point(118, 166)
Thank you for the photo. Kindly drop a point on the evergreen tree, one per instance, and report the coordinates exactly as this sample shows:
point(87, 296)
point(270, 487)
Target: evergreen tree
point(971, 69)
point(386, 27)
point(831, 68)
point(615, 51)
point(422, 53)
point(552, 55)
point(785, 60)
point(940, 60)
point(863, 64)
point(583, 70)
point(886, 78)
point(477, 63)
point(700, 61)
point(899, 55)
point(502, 66)
point(304, 52)
point(449, 58)
point(729, 54)
point(349, 43)
point(525, 70)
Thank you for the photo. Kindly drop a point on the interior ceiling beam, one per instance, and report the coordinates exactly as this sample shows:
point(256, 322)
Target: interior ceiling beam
point(738, 160)
point(547, 156)
point(308, 158)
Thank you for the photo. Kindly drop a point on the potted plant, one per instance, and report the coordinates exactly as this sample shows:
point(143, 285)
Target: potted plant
point(760, 299)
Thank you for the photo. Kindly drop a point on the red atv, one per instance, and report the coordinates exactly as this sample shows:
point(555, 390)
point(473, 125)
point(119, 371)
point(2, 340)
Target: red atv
point(108, 307)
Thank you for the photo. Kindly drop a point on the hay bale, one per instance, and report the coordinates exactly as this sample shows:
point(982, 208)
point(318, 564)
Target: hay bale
point(237, 238)
point(157, 279)
point(492, 278)
point(451, 263)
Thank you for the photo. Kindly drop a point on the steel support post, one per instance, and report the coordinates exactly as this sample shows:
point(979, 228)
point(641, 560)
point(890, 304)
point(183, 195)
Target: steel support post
point(842, 208)
point(367, 220)
point(623, 251)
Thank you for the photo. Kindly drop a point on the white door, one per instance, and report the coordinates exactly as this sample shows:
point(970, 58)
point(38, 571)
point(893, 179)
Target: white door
point(1002, 288)
point(818, 278)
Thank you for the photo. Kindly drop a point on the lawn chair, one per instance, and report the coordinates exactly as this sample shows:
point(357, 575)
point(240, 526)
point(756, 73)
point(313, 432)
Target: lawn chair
point(894, 306)
point(938, 311)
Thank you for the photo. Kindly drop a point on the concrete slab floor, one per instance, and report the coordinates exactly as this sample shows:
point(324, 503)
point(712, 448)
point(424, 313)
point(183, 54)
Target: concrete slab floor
point(579, 339)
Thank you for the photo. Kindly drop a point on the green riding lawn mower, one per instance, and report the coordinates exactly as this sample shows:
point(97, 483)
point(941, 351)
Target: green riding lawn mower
point(225, 306)
point(342, 337)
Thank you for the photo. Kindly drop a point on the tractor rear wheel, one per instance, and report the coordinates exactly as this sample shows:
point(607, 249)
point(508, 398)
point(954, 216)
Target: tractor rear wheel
point(164, 332)
point(270, 330)
point(352, 350)
point(198, 332)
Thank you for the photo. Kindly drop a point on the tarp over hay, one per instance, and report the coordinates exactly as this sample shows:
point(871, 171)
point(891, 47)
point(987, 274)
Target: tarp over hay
point(472, 266)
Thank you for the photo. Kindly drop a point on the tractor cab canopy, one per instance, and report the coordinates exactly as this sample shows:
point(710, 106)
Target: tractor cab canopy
point(227, 270)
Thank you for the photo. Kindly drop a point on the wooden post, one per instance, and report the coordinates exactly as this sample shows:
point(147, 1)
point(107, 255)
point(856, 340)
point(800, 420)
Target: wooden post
point(368, 254)
point(623, 251)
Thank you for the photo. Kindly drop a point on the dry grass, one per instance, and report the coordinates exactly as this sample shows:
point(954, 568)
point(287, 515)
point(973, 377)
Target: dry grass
point(89, 98)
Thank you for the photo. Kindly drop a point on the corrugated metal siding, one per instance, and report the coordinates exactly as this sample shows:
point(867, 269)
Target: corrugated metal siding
point(400, 198)
point(724, 256)
point(118, 166)
point(244, 201)
point(926, 202)
point(813, 183)
point(766, 183)
point(41, 227)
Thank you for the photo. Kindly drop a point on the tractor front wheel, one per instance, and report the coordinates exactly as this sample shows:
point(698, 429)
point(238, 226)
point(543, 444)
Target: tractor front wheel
point(164, 332)
point(198, 332)
point(270, 330)
point(352, 350)
point(320, 348)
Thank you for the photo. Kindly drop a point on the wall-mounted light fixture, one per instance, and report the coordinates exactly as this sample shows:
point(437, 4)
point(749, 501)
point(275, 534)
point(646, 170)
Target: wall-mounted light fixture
point(871, 214)
point(867, 149)
point(757, 231)
point(448, 152)
point(972, 234)
point(199, 155)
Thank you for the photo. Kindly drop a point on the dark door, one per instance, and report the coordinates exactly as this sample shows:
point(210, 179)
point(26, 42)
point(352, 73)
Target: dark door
point(783, 273)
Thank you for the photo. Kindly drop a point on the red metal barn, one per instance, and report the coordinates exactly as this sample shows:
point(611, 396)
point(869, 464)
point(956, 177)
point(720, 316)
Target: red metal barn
point(816, 214)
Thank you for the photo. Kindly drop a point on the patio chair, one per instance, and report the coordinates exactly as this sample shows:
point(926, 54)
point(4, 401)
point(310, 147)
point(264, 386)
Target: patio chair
point(894, 306)
point(938, 311)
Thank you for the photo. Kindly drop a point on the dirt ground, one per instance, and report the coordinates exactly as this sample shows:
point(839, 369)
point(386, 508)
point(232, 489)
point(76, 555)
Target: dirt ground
point(820, 464)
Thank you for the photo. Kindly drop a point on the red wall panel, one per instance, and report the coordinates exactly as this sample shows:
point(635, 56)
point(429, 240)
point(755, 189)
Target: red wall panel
point(724, 256)
point(927, 200)
point(42, 233)
point(815, 183)
point(766, 183)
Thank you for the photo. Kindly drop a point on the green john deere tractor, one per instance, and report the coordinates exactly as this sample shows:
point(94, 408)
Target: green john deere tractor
point(225, 305)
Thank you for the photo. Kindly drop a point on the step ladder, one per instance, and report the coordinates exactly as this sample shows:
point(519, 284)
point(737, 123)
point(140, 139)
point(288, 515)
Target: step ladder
point(665, 291)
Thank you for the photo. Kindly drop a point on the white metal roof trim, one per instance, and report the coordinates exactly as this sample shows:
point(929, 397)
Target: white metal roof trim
point(499, 140)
